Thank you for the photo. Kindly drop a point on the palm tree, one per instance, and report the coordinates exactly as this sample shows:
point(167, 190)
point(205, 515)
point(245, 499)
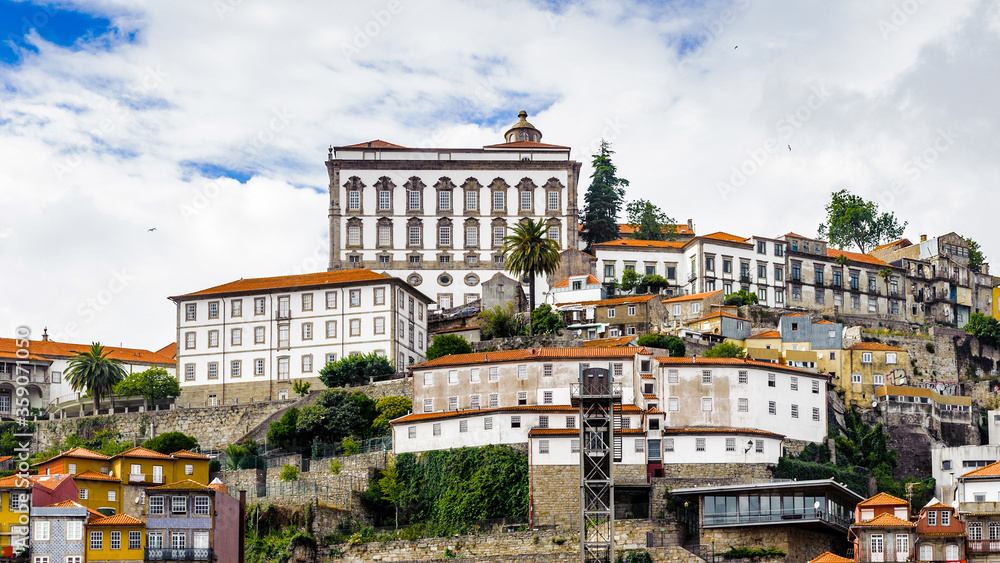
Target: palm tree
point(94, 372)
point(528, 251)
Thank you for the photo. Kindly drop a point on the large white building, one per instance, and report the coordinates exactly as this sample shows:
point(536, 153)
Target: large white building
point(437, 217)
point(248, 340)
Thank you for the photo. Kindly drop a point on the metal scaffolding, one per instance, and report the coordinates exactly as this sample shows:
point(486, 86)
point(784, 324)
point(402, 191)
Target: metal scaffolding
point(596, 395)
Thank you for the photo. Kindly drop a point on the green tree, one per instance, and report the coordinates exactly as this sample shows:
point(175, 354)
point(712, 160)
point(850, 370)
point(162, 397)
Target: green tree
point(652, 284)
point(672, 344)
point(284, 431)
point(355, 370)
point(301, 388)
point(546, 321)
point(630, 280)
point(851, 220)
point(725, 350)
point(392, 488)
point(603, 200)
point(501, 322)
point(976, 257)
point(529, 252)
point(886, 275)
point(648, 222)
point(335, 415)
point(447, 345)
point(170, 442)
point(388, 409)
point(94, 372)
point(984, 327)
point(152, 385)
point(740, 298)
point(867, 446)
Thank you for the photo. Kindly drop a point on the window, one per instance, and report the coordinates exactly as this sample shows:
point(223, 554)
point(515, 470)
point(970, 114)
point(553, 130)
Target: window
point(154, 540)
point(730, 444)
point(414, 235)
point(188, 372)
point(515, 421)
point(706, 377)
point(866, 357)
point(816, 414)
point(428, 405)
point(706, 404)
point(522, 372)
point(815, 386)
point(699, 444)
point(945, 518)
point(672, 376)
point(611, 312)
point(178, 505)
point(353, 200)
point(178, 540)
point(743, 376)
point(471, 200)
point(436, 429)
point(96, 540)
point(384, 200)
point(631, 310)
point(236, 307)
point(494, 400)
point(522, 398)
point(413, 199)
point(135, 539)
point(526, 201)
point(668, 444)
point(795, 411)
point(673, 403)
point(794, 383)
point(546, 397)
point(488, 423)
point(331, 329)
point(213, 310)
point(191, 312)
point(474, 402)
point(41, 531)
point(259, 306)
point(744, 405)
point(258, 335)
point(946, 464)
point(890, 357)
point(543, 421)
point(498, 201)
point(188, 469)
point(770, 380)
point(994, 530)
point(411, 432)
point(453, 403)
point(444, 200)
point(494, 374)
point(213, 370)
point(772, 408)
point(154, 506)
point(855, 378)
point(878, 379)
point(84, 494)
point(116, 539)
point(189, 340)
point(353, 235)
point(444, 235)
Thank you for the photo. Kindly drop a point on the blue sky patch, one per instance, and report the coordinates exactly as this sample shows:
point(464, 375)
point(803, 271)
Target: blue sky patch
point(210, 170)
point(64, 27)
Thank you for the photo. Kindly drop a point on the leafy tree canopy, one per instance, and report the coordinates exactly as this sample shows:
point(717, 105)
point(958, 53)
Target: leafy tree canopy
point(335, 415)
point(447, 345)
point(528, 251)
point(651, 284)
point(546, 321)
point(355, 370)
point(152, 385)
point(853, 221)
point(630, 280)
point(648, 222)
point(170, 442)
point(389, 408)
point(94, 372)
point(976, 257)
point(284, 432)
point(673, 344)
point(741, 298)
point(603, 200)
point(725, 350)
point(502, 322)
point(985, 327)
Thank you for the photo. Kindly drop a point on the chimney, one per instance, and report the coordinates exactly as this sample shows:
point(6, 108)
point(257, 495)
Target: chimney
point(690, 224)
point(923, 238)
point(45, 334)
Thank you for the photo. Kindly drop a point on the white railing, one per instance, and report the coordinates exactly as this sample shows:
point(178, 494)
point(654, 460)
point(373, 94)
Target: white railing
point(137, 478)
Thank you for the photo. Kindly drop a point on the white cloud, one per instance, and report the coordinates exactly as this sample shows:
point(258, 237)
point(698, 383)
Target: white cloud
point(96, 145)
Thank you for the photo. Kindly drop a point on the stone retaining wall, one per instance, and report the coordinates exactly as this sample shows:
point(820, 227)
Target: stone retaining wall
point(555, 491)
point(799, 544)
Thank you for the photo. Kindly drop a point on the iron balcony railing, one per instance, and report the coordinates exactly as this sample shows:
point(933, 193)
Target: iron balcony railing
point(596, 389)
point(983, 546)
point(784, 515)
point(189, 554)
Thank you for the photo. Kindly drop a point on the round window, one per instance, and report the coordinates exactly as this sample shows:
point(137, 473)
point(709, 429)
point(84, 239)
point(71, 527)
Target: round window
point(444, 279)
point(471, 279)
point(414, 279)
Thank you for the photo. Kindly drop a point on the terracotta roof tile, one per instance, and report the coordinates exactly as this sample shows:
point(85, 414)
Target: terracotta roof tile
point(421, 416)
point(589, 281)
point(287, 282)
point(886, 520)
point(168, 351)
point(532, 354)
point(894, 243)
point(91, 475)
point(939, 505)
point(219, 486)
point(50, 482)
point(649, 397)
point(10, 482)
point(554, 432)
point(141, 452)
point(525, 145)
point(609, 342)
point(376, 144)
point(48, 349)
point(726, 237)
point(721, 430)
point(882, 499)
point(825, 322)
point(118, 520)
point(188, 455)
point(663, 360)
point(717, 314)
point(93, 514)
point(692, 297)
point(991, 470)
point(613, 301)
point(185, 485)
point(630, 431)
point(654, 410)
point(78, 453)
point(797, 236)
point(768, 334)
point(877, 346)
point(855, 257)
point(827, 557)
point(639, 243)
point(680, 228)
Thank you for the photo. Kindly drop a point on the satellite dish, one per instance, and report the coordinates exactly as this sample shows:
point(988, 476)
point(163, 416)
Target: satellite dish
point(111, 473)
point(874, 404)
point(137, 500)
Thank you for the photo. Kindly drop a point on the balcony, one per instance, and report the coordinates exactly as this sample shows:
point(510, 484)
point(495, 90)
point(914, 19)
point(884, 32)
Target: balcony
point(982, 546)
point(142, 479)
point(191, 554)
point(745, 278)
point(595, 390)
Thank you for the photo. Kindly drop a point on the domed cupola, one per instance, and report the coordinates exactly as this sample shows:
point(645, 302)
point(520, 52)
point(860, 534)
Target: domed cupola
point(522, 130)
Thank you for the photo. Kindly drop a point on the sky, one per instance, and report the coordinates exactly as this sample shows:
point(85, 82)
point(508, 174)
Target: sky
point(209, 121)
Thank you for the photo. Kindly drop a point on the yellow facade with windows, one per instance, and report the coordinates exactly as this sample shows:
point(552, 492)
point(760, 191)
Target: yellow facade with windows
point(866, 366)
point(98, 491)
point(119, 539)
point(75, 461)
point(13, 530)
point(141, 466)
point(189, 465)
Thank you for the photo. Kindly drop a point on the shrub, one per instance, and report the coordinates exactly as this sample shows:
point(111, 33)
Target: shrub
point(930, 347)
point(336, 466)
point(447, 345)
point(214, 465)
point(725, 350)
point(355, 370)
point(350, 446)
point(289, 472)
point(170, 442)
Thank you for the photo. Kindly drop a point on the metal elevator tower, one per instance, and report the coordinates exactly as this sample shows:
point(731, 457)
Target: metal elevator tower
point(596, 395)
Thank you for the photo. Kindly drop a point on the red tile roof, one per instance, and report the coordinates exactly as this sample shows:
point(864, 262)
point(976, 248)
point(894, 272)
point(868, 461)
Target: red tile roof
point(855, 257)
point(50, 482)
point(92, 514)
point(886, 520)
point(825, 322)
point(118, 520)
point(525, 145)
point(90, 475)
point(421, 416)
point(722, 430)
point(717, 314)
point(141, 452)
point(219, 486)
point(734, 361)
point(613, 301)
point(288, 282)
point(692, 297)
point(638, 243)
point(627, 229)
point(169, 351)
point(768, 334)
point(49, 349)
point(894, 243)
point(185, 485)
point(726, 237)
point(882, 499)
point(188, 455)
point(827, 557)
point(878, 346)
point(609, 342)
point(376, 144)
point(589, 281)
point(991, 470)
point(554, 432)
point(531, 354)
point(939, 505)
point(78, 453)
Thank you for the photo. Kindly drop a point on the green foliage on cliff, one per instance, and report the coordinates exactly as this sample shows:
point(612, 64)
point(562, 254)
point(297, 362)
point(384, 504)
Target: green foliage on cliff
point(751, 552)
point(854, 478)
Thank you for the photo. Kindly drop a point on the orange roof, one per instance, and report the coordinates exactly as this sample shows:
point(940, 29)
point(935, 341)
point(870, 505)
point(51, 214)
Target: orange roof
point(10, 351)
point(288, 282)
point(532, 354)
point(78, 453)
point(142, 452)
point(768, 334)
point(5, 458)
point(825, 322)
point(420, 416)
point(554, 432)
point(524, 145)
point(726, 237)
point(169, 351)
point(91, 475)
point(185, 485)
point(721, 430)
point(855, 257)
point(188, 455)
point(886, 520)
point(11, 482)
point(875, 346)
point(939, 505)
point(692, 297)
point(627, 229)
point(717, 314)
point(827, 557)
point(991, 470)
point(609, 342)
point(734, 361)
point(590, 281)
point(613, 301)
point(118, 520)
point(219, 486)
point(882, 499)
point(654, 410)
point(48, 348)
point(376, 144)
point(894, 243)
point(639, 243)
point(797, 236)
point(50, 482)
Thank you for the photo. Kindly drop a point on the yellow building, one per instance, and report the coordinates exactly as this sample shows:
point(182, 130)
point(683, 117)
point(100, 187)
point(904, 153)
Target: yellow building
point(189, 465)
point(118, 539)
point(99, 492)
point(13, 529)
point(996, 303)
point(142, 466)
point(866, 366)
point(72, 462)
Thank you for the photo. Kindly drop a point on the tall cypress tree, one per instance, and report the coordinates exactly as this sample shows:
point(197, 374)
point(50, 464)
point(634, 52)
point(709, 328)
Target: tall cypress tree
point(603, 200)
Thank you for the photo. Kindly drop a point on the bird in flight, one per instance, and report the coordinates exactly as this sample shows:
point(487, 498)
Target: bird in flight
point(789, 148)
point(150, 230)
point(736, 47)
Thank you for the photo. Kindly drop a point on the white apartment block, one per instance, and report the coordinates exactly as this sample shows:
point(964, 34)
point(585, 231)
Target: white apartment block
point(248, 340)
point(437, 217)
